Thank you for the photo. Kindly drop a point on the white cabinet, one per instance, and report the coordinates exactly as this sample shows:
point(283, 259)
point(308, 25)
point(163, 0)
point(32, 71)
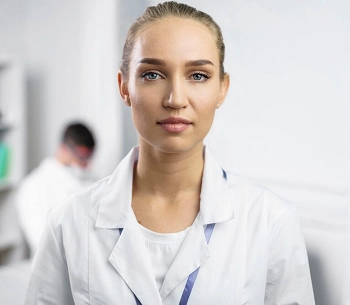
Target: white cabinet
point(12, 151)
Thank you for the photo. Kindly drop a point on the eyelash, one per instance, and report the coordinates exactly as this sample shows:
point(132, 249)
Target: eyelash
point(146, 75)
point(204, 75)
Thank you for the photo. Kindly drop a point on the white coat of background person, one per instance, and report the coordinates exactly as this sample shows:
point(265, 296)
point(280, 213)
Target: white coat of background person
point(170, 226)
point(53, 180)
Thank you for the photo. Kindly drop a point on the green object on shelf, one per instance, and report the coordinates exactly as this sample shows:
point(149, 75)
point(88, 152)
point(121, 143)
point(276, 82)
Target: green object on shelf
point(4, 160)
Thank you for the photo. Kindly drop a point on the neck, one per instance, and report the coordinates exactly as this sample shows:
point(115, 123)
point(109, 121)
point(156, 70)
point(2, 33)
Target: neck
point(166, 188)
point(169, 174)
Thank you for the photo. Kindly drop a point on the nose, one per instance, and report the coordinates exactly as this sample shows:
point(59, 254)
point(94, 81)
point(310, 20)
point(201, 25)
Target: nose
point(176, 97)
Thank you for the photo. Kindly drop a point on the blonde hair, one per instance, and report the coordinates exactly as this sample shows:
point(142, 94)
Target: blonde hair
point(170, 9)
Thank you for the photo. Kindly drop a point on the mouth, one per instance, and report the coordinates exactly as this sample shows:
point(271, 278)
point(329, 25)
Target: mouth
point(174, 124)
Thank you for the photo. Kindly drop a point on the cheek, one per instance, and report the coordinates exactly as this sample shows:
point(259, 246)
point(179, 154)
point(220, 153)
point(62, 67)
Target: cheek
point(205, 105)
point(138, 114)
point(206, 110)
point(210, 117)
point(144, 96)
point(146, 100)
point(142, 105)
point(142, 110)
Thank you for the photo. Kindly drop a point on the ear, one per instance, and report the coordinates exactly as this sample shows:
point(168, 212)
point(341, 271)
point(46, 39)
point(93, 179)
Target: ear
point(123, 89)
point(225, 85)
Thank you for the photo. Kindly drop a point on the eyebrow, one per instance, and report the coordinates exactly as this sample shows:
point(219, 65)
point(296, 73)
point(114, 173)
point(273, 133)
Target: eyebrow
point(152, 61)
point(189, 63)
point(200, 62)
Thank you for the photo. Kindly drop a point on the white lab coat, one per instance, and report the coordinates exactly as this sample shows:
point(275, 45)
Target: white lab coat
point(48, 184)
point(256, 254)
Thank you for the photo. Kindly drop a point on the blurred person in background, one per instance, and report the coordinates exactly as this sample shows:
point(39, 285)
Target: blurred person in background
point(53, 180)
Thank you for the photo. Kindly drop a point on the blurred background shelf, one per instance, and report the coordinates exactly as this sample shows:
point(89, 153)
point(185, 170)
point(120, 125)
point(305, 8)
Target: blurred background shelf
point(5, 127)
point(5, 185)
point(13, 152)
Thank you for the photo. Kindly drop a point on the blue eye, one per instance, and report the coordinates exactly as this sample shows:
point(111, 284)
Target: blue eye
point(150, 75)
point(199, 76)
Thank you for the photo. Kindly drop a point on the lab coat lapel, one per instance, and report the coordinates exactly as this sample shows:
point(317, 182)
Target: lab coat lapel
point(130, 258)
point(192, 254)
point(215, 206)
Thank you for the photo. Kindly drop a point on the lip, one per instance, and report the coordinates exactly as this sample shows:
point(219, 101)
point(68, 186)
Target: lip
point(174, 124)
point(174, 120)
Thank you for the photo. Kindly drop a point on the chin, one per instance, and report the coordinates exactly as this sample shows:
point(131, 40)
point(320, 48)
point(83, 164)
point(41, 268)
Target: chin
point(175, 147)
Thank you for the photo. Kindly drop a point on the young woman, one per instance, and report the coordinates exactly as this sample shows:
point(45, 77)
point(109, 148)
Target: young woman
point(170, 226)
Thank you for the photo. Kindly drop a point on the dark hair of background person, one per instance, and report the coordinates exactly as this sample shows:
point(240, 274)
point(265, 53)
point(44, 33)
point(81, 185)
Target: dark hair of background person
point(78, 134)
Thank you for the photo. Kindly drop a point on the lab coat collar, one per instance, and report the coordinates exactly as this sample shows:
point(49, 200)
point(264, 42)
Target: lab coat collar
point(129, 256)
point(216, 204)
point(115, 205)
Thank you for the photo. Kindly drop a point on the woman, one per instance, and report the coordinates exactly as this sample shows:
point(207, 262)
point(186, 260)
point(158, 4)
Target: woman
point(169, 226)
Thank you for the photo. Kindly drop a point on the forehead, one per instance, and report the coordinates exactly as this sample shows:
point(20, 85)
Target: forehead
point(176, 38)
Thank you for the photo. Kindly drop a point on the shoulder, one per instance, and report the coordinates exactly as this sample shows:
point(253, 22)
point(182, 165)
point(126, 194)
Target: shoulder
point(76, 208)
point(38, 176)
point(262, 212)
point(258, 199)
point(248, 199)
